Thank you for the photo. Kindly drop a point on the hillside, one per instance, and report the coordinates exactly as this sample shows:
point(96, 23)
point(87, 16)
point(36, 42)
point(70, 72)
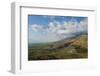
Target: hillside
point(64, 49)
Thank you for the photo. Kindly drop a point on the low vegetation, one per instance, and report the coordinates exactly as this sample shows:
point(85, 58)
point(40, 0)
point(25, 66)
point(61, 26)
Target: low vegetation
point(64, 49)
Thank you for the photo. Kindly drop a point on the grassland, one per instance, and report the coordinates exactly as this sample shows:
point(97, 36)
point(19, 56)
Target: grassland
point(65, 49)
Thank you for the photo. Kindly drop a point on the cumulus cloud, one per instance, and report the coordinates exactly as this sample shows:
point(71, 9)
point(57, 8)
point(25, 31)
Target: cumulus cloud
point(58, 31)
point(36, 27)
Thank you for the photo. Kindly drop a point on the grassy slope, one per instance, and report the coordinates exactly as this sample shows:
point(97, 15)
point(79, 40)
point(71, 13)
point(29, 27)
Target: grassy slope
point(65, 49)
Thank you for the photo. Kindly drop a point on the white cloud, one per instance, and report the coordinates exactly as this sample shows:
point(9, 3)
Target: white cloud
point(57, 31)
point(36, 27)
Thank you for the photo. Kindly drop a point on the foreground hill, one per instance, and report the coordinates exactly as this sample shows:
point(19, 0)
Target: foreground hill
point(65, 49)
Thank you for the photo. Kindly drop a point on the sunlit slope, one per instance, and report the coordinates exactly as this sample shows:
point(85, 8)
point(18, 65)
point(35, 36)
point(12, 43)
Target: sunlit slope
point(65, 49)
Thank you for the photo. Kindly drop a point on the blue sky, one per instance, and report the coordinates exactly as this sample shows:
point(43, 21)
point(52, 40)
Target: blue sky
point(44, 20)
point(44, 28)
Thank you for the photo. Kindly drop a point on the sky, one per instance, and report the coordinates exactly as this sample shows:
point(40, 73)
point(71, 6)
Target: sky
point(46, 28)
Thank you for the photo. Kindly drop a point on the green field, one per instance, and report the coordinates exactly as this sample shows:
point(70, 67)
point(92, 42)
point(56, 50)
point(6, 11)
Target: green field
point(65, 49)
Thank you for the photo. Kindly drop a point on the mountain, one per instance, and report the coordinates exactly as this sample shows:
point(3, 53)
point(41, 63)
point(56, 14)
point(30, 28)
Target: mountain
point(71, 48)
point(75, 41)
